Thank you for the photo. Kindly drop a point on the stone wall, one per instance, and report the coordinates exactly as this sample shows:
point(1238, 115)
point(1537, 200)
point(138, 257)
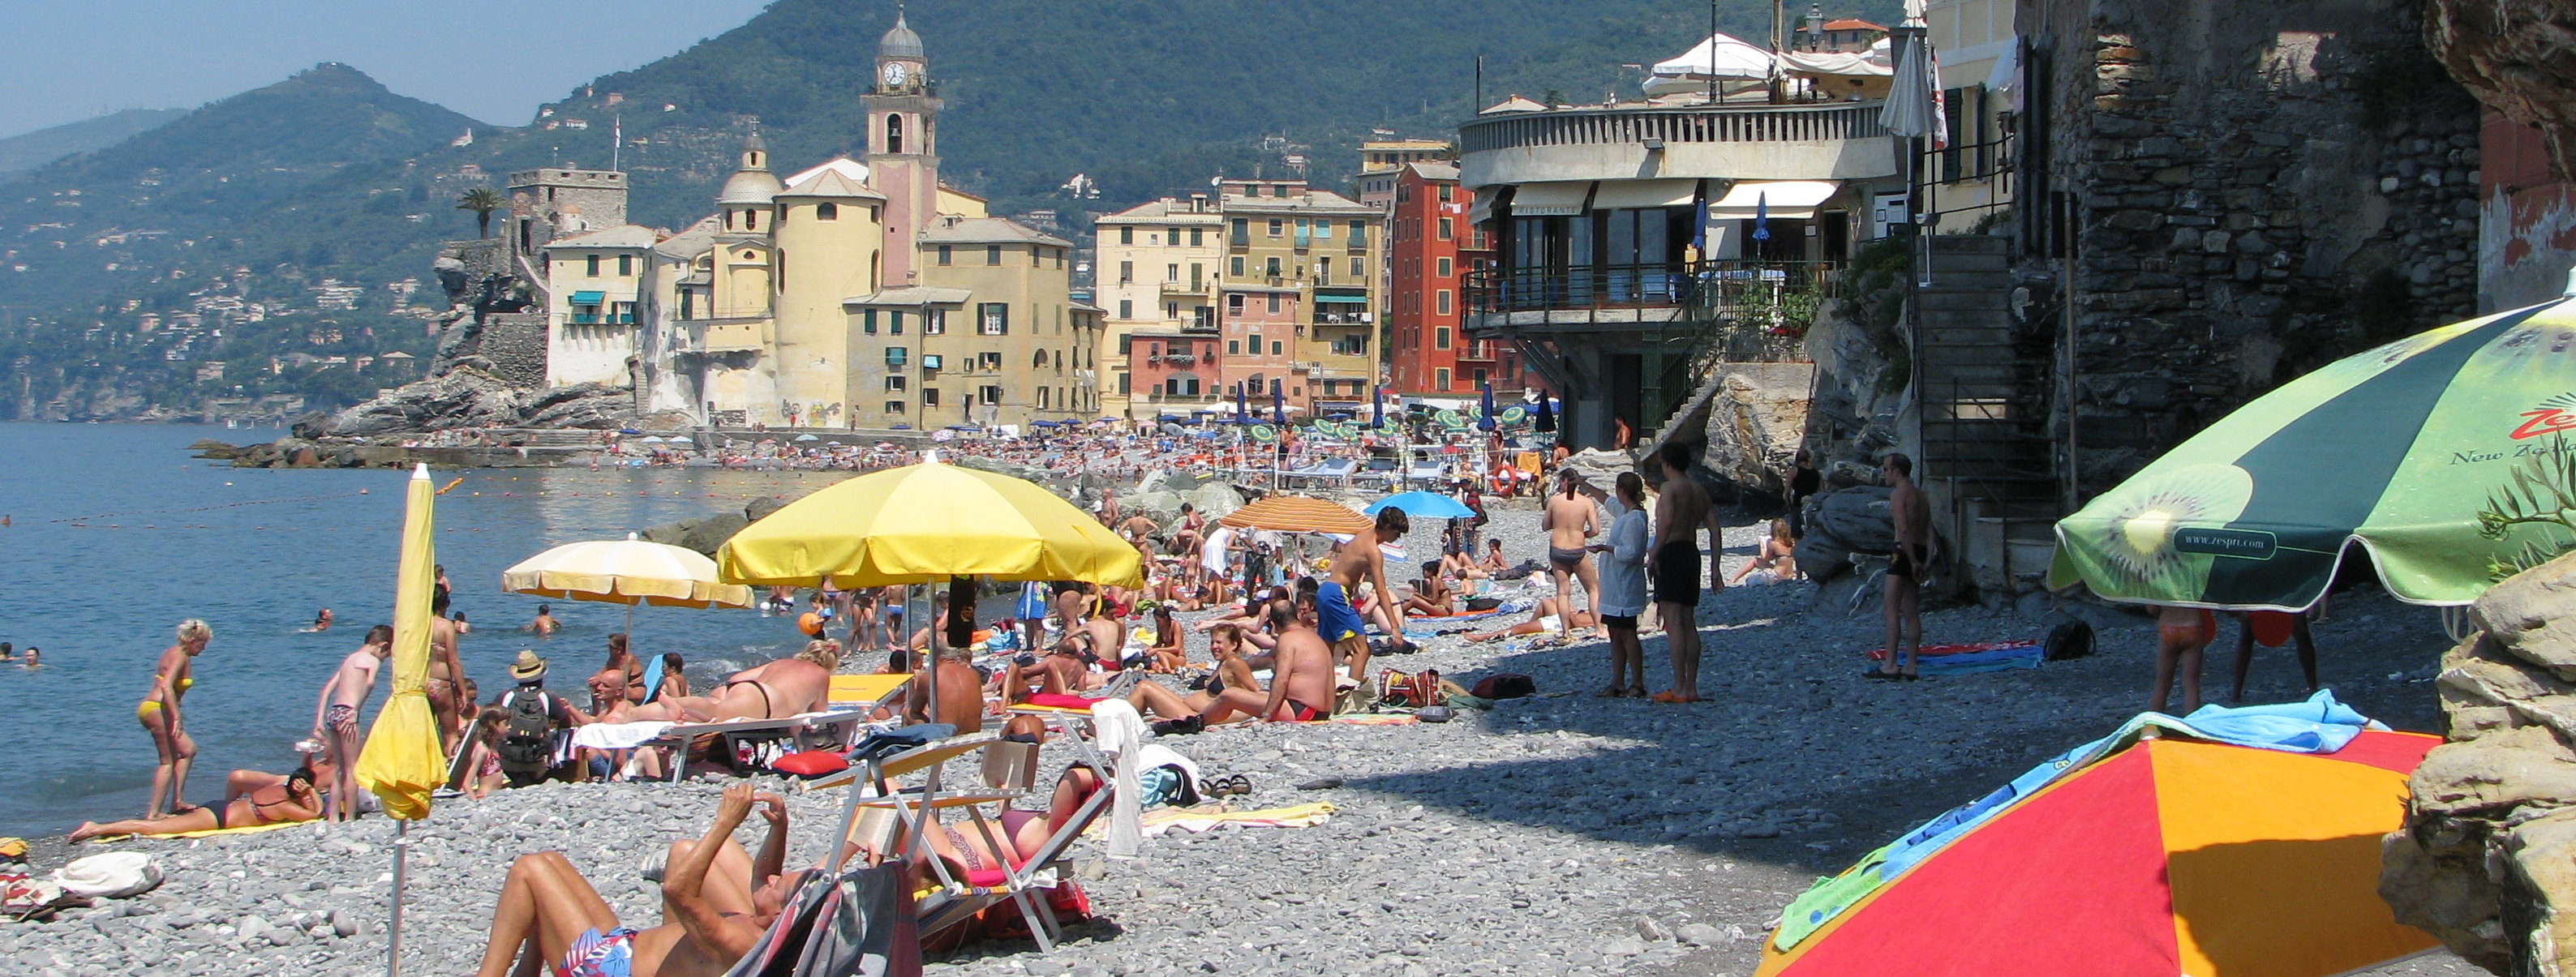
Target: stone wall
point(2258, 189)
point(515, 343)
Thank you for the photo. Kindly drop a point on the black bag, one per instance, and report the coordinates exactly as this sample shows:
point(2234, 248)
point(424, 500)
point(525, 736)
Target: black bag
point(1505, 685)
point(2071, 638)
point(527, 738)
point(858, 924)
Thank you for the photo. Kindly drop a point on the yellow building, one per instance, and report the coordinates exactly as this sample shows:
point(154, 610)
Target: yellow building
point(590, 304)
point(861, 293)
point(1157, 267)
point(1307, 260)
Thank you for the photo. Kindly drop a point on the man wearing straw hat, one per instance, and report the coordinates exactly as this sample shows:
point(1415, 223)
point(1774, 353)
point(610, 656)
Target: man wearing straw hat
point(527, 748)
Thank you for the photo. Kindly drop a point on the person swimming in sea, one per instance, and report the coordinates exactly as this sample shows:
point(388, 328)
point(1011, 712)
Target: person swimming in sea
point(321, 623)
point(545, 624)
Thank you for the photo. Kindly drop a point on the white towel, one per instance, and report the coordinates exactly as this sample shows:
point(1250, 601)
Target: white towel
point(1117, 730)
point(617, 736)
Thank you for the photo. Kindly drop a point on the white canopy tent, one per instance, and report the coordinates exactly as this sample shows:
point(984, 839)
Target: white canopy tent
point(1721, 57)
point(1782, 199)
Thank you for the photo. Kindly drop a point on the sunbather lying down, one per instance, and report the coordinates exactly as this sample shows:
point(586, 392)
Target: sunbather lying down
point(716, 901)
point(973, 847)
point(294, 800)
point(1542, 619)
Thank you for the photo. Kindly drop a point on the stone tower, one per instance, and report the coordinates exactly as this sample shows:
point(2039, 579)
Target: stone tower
point(903, 147)
point(546, 204)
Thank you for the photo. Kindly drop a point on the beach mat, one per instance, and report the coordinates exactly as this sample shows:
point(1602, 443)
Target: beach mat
point(1193, 820)
point(1973, 659)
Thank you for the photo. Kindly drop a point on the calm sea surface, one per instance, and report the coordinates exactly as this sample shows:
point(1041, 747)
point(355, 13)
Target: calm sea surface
point(117, 534)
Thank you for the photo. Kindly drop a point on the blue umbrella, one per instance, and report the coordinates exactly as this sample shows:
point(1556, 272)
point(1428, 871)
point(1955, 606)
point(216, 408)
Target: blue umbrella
point(1422, 505)
point(1377, 407)
point(1546, 416)
point(1762, 217)
point(1278, 404)
point(1240, 411)
point(1486, 422)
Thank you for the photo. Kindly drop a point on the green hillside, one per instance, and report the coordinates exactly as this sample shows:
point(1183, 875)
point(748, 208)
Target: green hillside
point(26, 151)
point(1147, 97)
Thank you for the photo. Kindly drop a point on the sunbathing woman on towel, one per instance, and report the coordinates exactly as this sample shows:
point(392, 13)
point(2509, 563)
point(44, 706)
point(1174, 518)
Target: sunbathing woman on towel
point(292, 801)
point(1431, 595)
point(1543, 618)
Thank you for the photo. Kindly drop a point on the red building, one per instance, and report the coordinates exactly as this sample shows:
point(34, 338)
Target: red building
point(1432, 249)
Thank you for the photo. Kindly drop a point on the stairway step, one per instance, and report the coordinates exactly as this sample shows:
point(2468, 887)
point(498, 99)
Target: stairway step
point(1969, 264)
point(1970, 244)
point(1953, 279)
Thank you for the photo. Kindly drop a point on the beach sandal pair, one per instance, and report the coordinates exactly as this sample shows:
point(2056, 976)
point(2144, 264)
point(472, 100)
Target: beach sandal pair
point(1237, 785)
point(1669, 696)
point(1875, 673)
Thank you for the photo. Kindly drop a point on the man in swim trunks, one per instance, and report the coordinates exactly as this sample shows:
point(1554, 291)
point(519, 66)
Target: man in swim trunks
point(1571, 520)
point(1339, 623)
point(717, 900)
point(1301, 674)
point(335, 717)
point(293, 801)
point(1672, 564)
point(1901, 600)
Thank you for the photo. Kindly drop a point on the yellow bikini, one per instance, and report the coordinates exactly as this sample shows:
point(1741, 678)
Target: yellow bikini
point(144, 710)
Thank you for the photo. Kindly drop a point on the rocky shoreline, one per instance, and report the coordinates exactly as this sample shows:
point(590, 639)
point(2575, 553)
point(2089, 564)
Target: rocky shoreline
point(1560, 834)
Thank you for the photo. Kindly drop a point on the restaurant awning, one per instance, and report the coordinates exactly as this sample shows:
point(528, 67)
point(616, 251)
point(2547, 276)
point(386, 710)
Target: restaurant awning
point(1563, 199)
point(1623, 194)
point(589, 298)
point(1772, 198)
point(1329, 297)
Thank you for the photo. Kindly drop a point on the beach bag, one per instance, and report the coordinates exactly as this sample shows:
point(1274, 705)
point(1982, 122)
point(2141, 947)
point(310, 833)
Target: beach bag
point(2071, 638)
point(527, 737)
point(1504, 685)
point(116, 875)
point(1410, 691)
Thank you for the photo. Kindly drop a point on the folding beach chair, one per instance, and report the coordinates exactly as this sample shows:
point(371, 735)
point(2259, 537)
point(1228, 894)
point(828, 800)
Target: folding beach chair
point(859, 922)
point(1023, 884)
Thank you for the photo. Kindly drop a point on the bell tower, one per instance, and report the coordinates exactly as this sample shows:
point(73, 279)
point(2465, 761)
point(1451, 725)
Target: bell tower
point(903, 147)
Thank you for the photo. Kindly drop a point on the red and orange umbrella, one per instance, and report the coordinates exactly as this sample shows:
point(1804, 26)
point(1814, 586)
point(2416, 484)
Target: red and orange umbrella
point(2172, 856)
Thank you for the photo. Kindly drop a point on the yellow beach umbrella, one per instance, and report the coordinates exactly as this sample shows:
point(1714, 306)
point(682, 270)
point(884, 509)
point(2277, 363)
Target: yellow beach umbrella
point(402, 762)
point(628, 571)
point(923, 523)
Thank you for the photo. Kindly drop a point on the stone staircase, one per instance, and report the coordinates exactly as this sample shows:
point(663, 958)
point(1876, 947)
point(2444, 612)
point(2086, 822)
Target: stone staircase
point(1983, 394)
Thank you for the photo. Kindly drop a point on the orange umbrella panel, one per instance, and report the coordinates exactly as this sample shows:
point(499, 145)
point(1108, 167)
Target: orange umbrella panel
point(1298, 514)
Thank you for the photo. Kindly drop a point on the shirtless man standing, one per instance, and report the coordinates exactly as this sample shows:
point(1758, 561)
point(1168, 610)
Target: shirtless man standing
point(1341, 625)
point(1571, 520)
point(1672, 563)
point(335, 717)
point(1901, 603)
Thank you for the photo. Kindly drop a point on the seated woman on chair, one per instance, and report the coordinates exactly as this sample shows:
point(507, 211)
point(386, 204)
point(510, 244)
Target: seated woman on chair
point(981, 846)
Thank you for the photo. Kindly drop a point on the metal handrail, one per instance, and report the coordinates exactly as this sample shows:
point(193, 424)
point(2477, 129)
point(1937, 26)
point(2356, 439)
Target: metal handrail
point(1683, 124)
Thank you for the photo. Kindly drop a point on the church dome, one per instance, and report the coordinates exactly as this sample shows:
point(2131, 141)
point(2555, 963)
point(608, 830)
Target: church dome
point(750, 187)
point(900, 42)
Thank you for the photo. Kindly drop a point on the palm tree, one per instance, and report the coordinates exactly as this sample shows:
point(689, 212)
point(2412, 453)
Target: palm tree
point(482, 201)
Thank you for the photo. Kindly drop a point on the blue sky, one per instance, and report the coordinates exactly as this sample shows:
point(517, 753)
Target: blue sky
point(67, 60)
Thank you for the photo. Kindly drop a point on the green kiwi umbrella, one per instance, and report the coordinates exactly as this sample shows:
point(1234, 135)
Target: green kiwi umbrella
point(2442, 454)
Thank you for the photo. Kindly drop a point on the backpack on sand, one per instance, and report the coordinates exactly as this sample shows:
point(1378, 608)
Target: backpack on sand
point(527, 739)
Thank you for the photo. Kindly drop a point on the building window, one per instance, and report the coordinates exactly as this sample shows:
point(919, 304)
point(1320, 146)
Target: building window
point(989, 361)
point(1359, 234)
point(894, 407)
point(593, 262)
point(1440, 378)
point(1037, 256)
point(992, 319)
point(1440, 340)
point(1234, 347)
point(929, 397)
point(1272, 263)
point(1442, 264)
point(868, 321)
point(934, 322)
point(1234, 266)
point(1234, 305)
point(1444, 301)
point(1126, 345)
point(1195, 236)
point(944, 255)
point(1242, 233)
point(992, 254)
point(622, 312)
point(1276, 225)
point(625, 264)
point(990, 394)
point(1126, 385)
point(894, 384)
point(1126, 308)
point(1444, 192)
point(827, 211)
point(1274, 303)
point(1126, 235)
point(1274, 347)
point(894, 356)
point(1480, 376)
point(1042, 398)
point(1126, 272)
point(894, 133)
point(1172, 236)
point(894, 321)
point(1255, 344)
point(1358, 271)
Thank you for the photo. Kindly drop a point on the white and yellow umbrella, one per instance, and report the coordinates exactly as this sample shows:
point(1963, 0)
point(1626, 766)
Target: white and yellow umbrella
point(628, 571)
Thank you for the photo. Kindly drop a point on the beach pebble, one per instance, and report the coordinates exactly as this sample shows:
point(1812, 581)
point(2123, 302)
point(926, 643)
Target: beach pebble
point(1700, 934)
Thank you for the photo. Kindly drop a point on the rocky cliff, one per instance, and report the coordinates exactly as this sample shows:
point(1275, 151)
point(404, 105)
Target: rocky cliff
point(2518, 57)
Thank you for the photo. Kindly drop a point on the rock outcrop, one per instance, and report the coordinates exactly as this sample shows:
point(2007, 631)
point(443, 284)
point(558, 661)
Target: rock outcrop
point(467, 398)
point(1839, 524)
point(2518, 57)
point(2488, 854)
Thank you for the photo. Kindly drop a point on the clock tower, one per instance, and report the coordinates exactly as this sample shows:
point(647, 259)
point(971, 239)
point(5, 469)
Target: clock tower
point(903, 147)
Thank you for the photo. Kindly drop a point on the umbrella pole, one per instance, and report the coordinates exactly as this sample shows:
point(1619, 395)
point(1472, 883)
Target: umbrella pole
point(402, 854)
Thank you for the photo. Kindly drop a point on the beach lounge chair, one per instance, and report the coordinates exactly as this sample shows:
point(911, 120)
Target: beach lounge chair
point(865, 691)
point(803, 729)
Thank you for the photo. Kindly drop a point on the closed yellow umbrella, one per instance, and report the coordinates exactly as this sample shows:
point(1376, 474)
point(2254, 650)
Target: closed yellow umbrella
point(402, 762)
point(923, 523)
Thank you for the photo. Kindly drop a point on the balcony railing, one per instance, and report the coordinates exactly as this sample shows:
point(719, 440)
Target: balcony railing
point(1686, 124)
point(1734, 309)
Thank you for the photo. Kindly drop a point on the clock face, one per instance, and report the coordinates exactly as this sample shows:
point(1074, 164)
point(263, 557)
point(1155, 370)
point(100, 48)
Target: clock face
point(894, 73)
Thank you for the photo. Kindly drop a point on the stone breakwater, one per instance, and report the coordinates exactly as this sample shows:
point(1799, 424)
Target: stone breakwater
point(1562, 834)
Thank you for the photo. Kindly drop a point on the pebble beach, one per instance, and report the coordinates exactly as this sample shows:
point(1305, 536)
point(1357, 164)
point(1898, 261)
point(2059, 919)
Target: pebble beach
point(1557, 834)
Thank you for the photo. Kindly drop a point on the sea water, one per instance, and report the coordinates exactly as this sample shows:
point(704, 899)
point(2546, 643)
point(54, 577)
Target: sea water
point(116, 534)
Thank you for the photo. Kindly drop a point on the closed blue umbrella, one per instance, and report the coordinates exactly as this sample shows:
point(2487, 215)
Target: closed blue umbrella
point(1762, 217)
point(1422, 505)
point(1377, 407)
point(1278, 405)
point(1242, 413)
point(1546, 416)
point(1486, 422)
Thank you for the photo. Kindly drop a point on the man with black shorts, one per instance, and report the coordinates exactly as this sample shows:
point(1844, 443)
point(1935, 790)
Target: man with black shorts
point(1672, 563)
point(1901, 602)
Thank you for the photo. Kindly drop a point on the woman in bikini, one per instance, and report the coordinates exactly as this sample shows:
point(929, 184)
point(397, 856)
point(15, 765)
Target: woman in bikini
point(2182, 633)
point(1778, 556)
point(1225, 644)
point(293, 801)
point(1167, 655)
point(159, 714)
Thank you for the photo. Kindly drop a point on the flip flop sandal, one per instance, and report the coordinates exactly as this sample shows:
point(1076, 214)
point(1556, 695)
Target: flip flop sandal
point(1238, 785)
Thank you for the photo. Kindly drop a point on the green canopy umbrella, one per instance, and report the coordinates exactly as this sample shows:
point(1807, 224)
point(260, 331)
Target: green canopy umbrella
point(2442, 454)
